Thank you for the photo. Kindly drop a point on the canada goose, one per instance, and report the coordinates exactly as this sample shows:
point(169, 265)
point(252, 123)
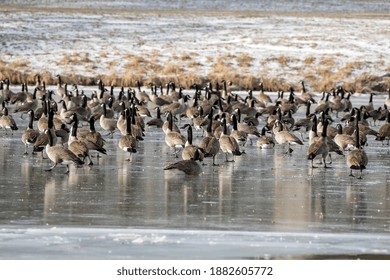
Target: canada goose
point(121, 122)
point(322, 106)
point(19, 96)
point(384, 113)
point(42, 121)
point(165, 126)
point(264, 141)
point(276, 115)
point(65, 114)
point(7, 121)
point(30, 135)
point(201, 120)
point(94, 137)
point(282, 136)
point(108, 124)
point(357, 158)
point(228, 144)
point(98, 111)
point(189, 167)
point(375, 114)
point(156, 100)
point(240, 136)
point(83, 112)
point(172, 138)
point(252, 120)
point(138, 124)
point(304, 124)
point(364, 128)
point(387, 101)
point(249, 129)
point(209, 144)
point(128, 142)
point(141, 95)
point(319, 147)
point(331, 131)
point(76, 146)
point(384, 130)
point(176, 108)
point(336, 103)
point(344, 141)
point(41, 88)
point(7, 92)
point(28, 104)
point(60, 155)
point(43, 139)
point(305, 96)
point(191, 151)
point(60, 88)
point(370, 105)
point(290, 104)
point(347, 102)
point(157, 122)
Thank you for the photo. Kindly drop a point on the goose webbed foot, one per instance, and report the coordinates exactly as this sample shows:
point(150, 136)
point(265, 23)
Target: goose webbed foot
point(51, 168)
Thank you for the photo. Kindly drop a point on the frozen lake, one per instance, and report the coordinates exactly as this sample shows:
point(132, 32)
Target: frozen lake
point(265, 205)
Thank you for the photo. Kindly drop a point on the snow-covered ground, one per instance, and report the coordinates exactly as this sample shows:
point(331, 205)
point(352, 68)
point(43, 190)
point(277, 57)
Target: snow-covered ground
point(315, 41)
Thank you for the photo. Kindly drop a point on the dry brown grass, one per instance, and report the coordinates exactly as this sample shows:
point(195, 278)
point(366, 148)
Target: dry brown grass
point(75, 59)
point(321, 73)
point(244, 60)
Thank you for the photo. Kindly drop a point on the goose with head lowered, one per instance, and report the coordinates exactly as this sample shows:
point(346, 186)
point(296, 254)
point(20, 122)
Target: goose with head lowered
point(189, 167)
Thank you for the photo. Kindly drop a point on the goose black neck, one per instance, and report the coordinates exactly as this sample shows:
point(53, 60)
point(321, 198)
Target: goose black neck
point(92, 123)
point(30, 124)
point(189, 135)
point(325, 128)
point(128, 124)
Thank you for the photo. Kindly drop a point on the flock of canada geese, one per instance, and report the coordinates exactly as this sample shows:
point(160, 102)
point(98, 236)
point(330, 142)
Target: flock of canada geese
point(227, 121)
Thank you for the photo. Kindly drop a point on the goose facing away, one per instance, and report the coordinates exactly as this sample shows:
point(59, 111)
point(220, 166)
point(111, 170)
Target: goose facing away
point(357, 158)
point(319, 147)
point(127, 142)
point(60, 155)
point(189, 167)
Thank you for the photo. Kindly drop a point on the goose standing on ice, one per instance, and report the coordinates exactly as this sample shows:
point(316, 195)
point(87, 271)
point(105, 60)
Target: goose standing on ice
point(209, 144)
point(30, 135)
point(60, 155)
point(357, 158)
point(228, 143)
point(127, 142)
